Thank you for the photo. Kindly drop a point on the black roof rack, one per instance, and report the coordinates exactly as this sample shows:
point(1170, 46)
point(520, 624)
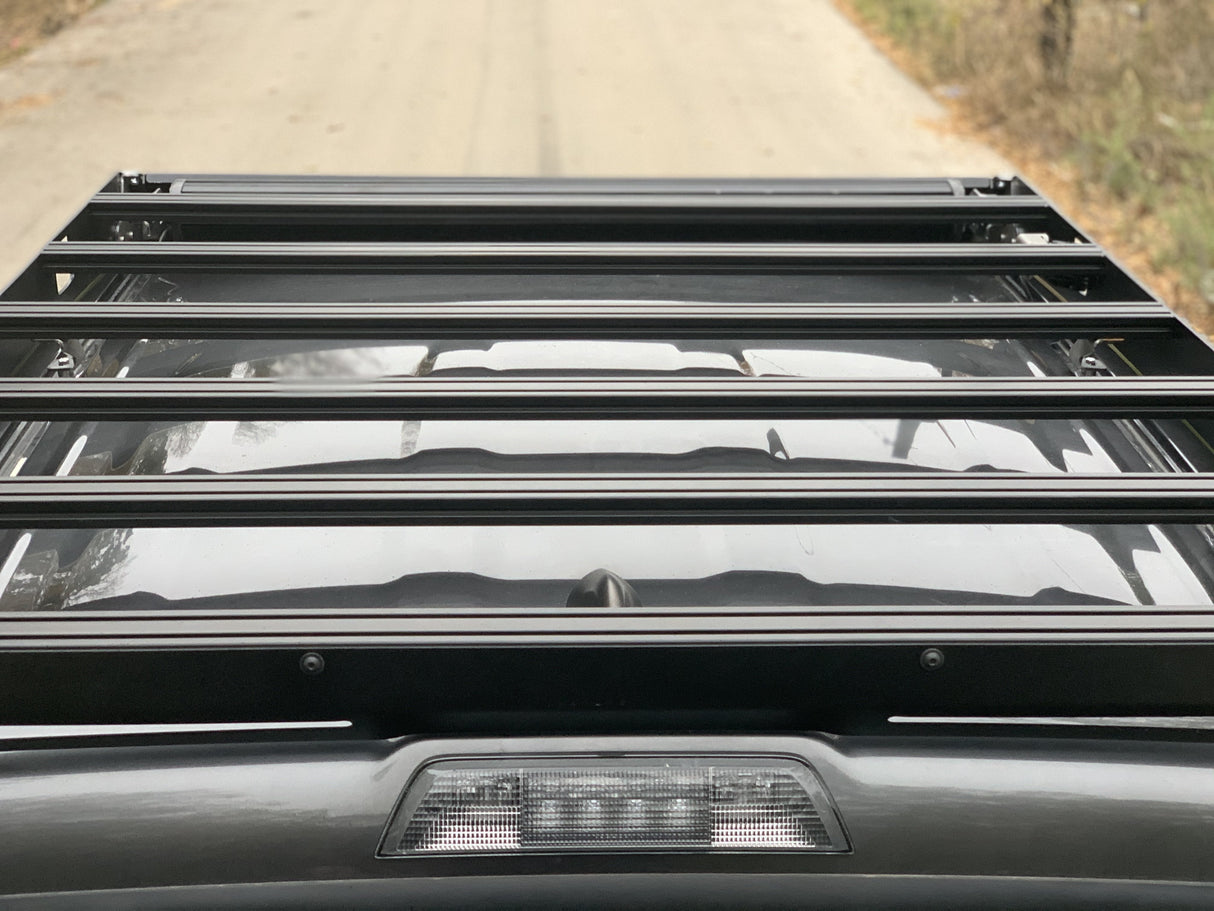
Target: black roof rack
point(585, 319)
point(677, 499)
point(559, 257)
point(677, 398)
point(835, 668)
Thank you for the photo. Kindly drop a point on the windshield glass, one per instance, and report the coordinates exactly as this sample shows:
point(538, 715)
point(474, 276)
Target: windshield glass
point(368, 567)
point(363, 568)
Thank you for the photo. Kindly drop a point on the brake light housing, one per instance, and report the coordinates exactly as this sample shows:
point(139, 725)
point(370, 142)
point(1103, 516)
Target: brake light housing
point(523, 805)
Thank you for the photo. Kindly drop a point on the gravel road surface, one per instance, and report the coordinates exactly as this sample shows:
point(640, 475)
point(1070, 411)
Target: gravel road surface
point(559, 87)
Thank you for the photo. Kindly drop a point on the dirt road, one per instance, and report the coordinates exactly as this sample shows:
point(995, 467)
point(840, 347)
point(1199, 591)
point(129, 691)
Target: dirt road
point(586, 87)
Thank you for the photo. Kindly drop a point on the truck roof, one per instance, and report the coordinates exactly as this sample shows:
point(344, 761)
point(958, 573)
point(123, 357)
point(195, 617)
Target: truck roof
point(327, 505)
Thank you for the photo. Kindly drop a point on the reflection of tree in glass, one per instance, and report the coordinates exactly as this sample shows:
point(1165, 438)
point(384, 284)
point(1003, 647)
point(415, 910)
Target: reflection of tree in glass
point(341, 361)
point(153, 454)
point(97, 573)
point(40, 583)
point(256, 431)
point(35, 569)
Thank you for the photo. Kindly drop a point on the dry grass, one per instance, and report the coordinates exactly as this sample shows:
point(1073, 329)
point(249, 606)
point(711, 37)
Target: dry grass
point(26, 23)
point(1123, 139)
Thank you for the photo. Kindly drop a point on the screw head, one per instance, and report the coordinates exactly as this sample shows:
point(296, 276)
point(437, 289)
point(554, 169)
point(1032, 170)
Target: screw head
point(311, 663)
point(931, 659)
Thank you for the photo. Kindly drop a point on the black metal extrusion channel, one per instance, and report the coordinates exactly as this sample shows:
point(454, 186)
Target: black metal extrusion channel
point(750, 625)
point(241, 500)
point(530, 207)
point(182, 398)
point(773, 258)
point(581, 319)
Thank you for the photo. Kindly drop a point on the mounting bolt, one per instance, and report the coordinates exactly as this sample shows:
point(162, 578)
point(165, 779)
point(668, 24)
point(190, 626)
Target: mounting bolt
point(311, 664)
point(931, 659)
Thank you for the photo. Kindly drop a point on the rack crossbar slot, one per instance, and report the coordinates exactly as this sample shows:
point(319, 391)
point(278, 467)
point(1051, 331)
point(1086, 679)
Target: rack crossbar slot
point(826, 624)
point(584, 207)
point(140, 256)
point(718, 188)
point(243, 500)
point(581, 319)
point(180, 398)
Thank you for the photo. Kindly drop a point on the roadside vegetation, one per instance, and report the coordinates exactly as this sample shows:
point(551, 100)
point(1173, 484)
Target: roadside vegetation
point(26, 23)
point(1107, 105)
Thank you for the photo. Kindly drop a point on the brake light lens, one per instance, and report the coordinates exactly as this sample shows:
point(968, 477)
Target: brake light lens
point(637, 804)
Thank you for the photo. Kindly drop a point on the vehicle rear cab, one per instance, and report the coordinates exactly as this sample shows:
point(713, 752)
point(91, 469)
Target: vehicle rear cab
point(457, 543)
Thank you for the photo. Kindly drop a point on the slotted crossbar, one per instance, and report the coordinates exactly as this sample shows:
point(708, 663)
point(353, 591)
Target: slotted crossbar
point(322, 256)
point(892, 261)
point(178, 398)
point(429, 207)
point(582, 319)
point(605, 498)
